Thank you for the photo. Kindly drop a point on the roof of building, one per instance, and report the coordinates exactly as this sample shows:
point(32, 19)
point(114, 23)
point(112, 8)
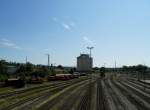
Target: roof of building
point(83, 55)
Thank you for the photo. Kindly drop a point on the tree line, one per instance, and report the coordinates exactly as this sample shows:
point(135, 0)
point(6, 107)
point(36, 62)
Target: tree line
point(23, 69)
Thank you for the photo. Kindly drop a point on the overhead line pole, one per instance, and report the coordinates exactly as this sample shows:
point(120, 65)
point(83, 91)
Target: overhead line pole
point(26, 64)
point(144, 72)
point(115, 67)
point(90, 48)
point(48, 55)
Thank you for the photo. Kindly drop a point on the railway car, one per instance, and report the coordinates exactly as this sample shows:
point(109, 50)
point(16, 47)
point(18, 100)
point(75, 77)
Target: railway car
point(62, 77)
point(76, 75)
point(52, 78)
point(83, 74)
point(15, 82)
point(36, 80)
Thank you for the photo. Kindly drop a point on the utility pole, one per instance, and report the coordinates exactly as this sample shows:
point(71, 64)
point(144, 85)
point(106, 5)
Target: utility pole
point(104, 65)
point(90, 48)
point(115, 66)
point(115, 70)
point(26, 59)
point(48, 55)
point(144, 72)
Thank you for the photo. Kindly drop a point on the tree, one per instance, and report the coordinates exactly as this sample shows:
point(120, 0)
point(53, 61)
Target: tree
point(60, 67)
point(29, 67)
point(21, 69)
point(124, 68)
point(3, 67)
point(41, 72)
point(141, 68)
point(102, 71)
point(52, 72)
point(96, 68)
point(71, 71)
point(3, 70)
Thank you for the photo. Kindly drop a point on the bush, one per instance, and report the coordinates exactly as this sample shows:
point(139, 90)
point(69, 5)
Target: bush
point(3, 77)
point(39, 74)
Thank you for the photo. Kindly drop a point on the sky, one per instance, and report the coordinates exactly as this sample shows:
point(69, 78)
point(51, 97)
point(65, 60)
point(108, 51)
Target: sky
point(119, 30)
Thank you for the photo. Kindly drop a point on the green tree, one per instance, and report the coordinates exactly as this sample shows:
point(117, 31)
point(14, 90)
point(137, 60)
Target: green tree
point(41, 72)
point(3, 70)
point(29, 67)
point(3, 67)
point(60, 67)
point(71, 71)
point(141, 68)
point(102, 71)
point(21, 69)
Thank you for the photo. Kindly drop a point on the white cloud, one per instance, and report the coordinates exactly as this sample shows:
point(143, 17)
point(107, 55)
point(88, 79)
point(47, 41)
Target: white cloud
point(66, 26)
point(88, 41)
point(5, 40)
point(9, 44)
point(46, 50)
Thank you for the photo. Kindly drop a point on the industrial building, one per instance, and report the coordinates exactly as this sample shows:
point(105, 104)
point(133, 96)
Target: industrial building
point(84, 63)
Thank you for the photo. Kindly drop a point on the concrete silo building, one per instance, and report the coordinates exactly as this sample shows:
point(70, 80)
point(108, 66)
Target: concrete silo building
point(84, 63)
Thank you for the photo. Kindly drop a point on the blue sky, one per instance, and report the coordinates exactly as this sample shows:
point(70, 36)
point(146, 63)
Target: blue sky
point(118, 29)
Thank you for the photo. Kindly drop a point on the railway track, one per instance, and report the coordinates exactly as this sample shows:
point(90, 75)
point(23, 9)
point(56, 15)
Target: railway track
point(139, 86)
point(127, 104)
point(118, 104)
point(75, 95)
point(19, 91)
point(132, 96)
point(41, 95)
point(85, 102)
point(48, 104)
point(102, 103)
point(26, 95)
point(117, 101)
point(139, 83)
point(29, 102)
point(137, 91)
point(82, 94)
point(111, 105)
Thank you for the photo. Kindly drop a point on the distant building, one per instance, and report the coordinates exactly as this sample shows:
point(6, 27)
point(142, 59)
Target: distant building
point(84, 63)
point(11, 69)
